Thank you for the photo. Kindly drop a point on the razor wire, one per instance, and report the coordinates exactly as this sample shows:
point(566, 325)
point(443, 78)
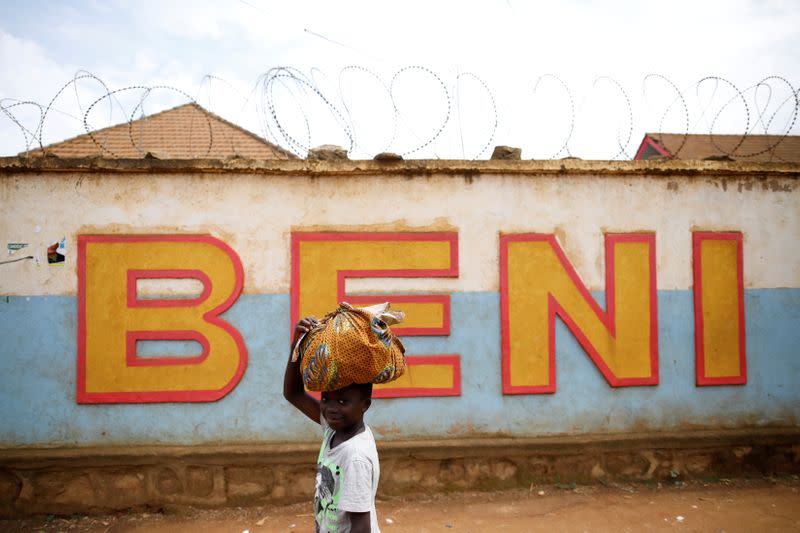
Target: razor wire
point(416, 111)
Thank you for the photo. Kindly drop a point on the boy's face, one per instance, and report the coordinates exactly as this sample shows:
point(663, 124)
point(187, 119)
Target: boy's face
point(343, 408)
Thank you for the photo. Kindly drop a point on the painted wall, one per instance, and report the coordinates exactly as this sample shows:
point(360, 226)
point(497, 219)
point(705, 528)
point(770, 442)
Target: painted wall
point(506, 272)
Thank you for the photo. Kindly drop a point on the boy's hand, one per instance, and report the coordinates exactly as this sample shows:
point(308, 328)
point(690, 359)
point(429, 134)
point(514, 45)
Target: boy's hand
point(304, 325)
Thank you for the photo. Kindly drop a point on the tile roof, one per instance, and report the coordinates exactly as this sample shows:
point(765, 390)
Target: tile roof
point(755, 148)
point(184, 132)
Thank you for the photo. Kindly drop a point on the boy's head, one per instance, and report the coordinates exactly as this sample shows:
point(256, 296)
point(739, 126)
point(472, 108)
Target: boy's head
point(344, 408)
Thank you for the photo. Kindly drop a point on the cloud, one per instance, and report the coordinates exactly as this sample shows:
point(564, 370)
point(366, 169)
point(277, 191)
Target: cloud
point(26, 70)
point(27, 74)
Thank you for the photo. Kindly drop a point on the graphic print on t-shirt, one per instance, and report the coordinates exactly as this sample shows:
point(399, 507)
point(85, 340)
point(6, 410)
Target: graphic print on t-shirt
point(326, 497)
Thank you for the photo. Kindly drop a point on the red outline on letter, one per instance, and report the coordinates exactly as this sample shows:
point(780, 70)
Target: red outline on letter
point(454, 360)
point(554, 308)
point(442, 299)
point(135, 275)
point(131, 359)
point(701, 380)
point(212, 317)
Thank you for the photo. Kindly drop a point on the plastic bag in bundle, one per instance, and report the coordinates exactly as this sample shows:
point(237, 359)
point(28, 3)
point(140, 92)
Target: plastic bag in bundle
point(351, 345)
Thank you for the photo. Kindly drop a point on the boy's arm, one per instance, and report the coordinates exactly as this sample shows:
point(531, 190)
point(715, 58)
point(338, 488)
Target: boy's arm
point(359, 522)
point(293, 389)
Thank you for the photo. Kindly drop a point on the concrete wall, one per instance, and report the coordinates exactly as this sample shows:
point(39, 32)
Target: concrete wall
point(254, 208)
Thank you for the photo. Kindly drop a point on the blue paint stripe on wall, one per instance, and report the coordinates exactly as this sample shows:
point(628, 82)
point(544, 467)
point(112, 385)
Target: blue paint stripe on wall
point(37, 381)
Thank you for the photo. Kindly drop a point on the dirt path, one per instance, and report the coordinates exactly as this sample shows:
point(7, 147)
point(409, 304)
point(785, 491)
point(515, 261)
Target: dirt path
point(729, 506)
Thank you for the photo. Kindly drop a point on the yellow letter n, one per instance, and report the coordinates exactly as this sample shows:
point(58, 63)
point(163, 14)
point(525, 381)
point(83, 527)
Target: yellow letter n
point(538, 283)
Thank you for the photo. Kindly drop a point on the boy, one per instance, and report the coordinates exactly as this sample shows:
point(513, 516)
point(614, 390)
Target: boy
point(347, 466)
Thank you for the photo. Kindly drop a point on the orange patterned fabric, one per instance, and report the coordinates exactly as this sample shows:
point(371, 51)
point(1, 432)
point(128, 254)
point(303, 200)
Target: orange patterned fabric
point(350, 346)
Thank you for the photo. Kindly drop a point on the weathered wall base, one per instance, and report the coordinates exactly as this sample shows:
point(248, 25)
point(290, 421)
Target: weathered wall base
point(79, 480)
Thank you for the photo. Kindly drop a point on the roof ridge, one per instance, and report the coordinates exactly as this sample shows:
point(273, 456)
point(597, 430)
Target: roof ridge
point(753, 147)
point(654, 135)
point(130, 123)
point(244, 130)
point(88, 135)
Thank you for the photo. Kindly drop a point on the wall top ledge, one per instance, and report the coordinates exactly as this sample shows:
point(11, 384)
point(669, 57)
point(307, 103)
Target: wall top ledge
point(407, 168)
point(463, 446)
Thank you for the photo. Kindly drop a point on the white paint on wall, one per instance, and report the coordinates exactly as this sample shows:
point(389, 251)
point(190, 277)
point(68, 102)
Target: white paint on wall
point(255, 215)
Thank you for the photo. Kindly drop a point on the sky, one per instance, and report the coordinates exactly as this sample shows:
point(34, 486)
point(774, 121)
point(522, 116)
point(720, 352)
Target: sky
point(426, 79)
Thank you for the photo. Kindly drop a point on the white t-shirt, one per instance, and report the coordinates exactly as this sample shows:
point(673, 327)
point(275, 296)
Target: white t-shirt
point(347, 480)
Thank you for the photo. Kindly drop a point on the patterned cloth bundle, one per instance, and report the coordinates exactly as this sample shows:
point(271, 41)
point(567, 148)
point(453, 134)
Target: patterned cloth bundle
point(351, 345)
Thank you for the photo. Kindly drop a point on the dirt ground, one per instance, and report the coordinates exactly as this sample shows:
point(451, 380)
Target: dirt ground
point(715, 506)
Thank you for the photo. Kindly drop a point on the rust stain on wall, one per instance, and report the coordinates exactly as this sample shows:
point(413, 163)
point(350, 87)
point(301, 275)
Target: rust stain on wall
point(748, 183)
point(779, 185)
point(157, 229)
point(438, 224)
point(561, 235)
point(713, 227)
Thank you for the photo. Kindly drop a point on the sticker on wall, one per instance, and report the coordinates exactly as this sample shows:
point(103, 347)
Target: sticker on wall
point(16, 246)
point(57, 252)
